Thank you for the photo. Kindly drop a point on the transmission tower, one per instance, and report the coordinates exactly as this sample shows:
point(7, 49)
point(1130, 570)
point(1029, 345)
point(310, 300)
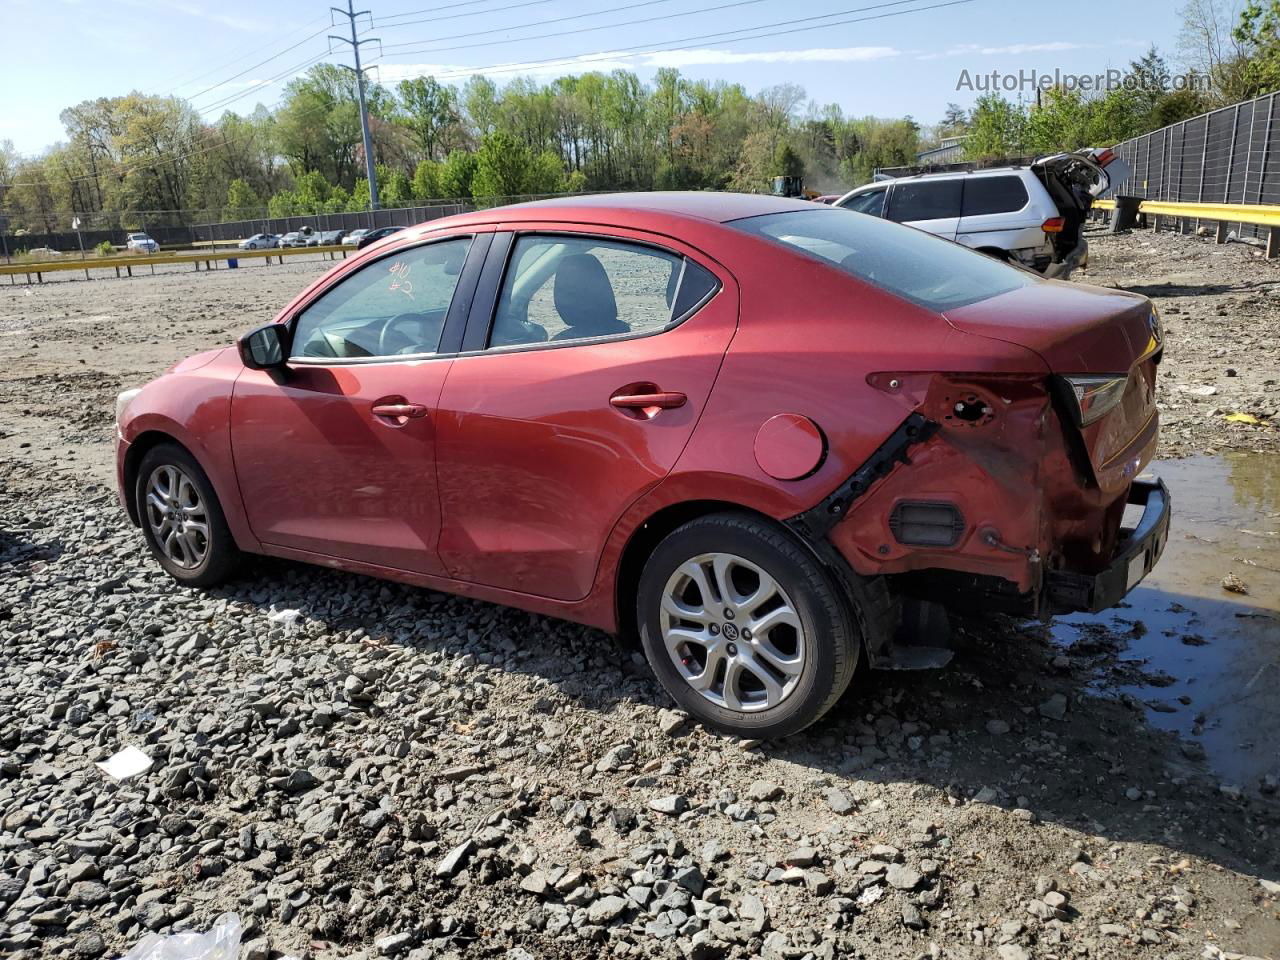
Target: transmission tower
point(351, 13)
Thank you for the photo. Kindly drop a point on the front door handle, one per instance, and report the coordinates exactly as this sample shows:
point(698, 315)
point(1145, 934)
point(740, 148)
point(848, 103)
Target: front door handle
point(661, 400)
point(399, 411)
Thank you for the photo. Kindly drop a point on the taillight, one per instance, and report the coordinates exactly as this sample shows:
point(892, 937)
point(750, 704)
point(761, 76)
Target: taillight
point(1053, 225)
point(1094, 396)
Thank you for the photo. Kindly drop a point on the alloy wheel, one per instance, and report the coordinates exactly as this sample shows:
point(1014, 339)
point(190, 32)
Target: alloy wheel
point(177, 516)
point(732, 632)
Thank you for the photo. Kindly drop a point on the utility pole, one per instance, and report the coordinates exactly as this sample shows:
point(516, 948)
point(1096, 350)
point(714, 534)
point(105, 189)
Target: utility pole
point(351, 13)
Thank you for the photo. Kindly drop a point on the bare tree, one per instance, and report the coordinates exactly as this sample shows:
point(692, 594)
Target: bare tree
point(1206, 42)
point(778, 105)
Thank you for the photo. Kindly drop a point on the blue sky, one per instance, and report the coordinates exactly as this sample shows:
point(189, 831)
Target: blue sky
point(72, 50)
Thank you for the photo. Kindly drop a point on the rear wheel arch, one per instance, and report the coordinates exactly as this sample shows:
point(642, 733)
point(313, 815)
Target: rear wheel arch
point(996, 252)
point(644, 539)
point(652, 531)
point(822, 639)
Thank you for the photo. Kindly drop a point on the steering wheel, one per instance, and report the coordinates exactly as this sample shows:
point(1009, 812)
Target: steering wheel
point(408, 343)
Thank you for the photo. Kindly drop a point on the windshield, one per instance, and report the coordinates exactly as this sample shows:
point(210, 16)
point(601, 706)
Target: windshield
point(917, 266)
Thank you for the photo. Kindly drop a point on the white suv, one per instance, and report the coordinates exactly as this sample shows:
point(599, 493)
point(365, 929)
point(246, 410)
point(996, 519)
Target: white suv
point(1029, 215)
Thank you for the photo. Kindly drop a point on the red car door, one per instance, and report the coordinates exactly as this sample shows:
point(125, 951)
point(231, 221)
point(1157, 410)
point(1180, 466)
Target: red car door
point(582, 377)
point(336, 456)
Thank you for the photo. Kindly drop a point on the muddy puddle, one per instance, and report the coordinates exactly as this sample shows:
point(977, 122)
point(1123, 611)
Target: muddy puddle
point(1204, 661)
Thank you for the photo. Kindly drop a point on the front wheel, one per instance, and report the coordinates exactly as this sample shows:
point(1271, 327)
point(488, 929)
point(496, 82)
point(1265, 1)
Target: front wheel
point(182, 520)
point(745, 629)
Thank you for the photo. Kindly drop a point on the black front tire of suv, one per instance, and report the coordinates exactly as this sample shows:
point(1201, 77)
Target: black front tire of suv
point(831, 638)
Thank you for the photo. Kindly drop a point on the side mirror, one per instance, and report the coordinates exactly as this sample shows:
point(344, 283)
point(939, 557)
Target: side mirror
point(266, 348)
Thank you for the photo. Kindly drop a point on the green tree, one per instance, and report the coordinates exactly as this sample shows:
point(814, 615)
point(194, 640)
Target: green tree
point(456, 174)
point(360, 200)
point(876, 142)
point(503, 167)
point(1258, 32)
point(1179, 105)
point(480, 100)
point(338, 202)
point(955, 121)
point(426, 181)
point(394, 188)
point(243, 201)
point(786, 162)
point(285, 204)
point(546, 174)
point(430, 113)
point(996, 129)
point(1061, 122)
point(311, 192)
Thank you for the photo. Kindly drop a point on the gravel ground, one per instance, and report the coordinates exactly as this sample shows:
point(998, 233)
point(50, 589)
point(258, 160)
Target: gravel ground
point(362, 769)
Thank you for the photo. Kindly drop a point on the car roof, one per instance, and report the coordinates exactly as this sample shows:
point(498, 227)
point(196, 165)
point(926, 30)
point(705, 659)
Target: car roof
point(615, 207)
point(946, 175)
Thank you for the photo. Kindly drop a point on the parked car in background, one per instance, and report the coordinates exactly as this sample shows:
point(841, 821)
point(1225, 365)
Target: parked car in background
point(293, 238)
point(353, 238)
point(331, 238)
point(141, 243)
point(640, 412)
point(1032, 215)
point(260, 241)
point(373, 236)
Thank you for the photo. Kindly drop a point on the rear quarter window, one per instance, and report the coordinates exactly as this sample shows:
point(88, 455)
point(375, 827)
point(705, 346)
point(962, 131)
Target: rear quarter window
point(925, 200)
point(984, 195)
point(926, 270)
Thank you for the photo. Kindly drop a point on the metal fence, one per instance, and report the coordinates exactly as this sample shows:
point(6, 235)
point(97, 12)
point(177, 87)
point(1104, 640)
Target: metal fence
point(189, 228)
point(1227, 156)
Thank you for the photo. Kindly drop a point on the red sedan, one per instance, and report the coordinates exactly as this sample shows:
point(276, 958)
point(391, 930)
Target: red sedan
point(749, 430)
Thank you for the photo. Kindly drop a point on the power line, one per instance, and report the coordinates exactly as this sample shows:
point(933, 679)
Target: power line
point(270, 81)
point(594, 13)
point(244, 56)
point(689, 42)
point(385, 21)
point(274, 56)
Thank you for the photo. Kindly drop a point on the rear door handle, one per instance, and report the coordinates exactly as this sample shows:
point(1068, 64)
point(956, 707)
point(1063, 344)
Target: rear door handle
point(398, 411)
point(642, 401)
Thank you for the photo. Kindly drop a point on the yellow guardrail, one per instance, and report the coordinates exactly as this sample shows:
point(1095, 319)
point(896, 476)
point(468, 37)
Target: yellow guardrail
point(1258, 214)
point(127, 263)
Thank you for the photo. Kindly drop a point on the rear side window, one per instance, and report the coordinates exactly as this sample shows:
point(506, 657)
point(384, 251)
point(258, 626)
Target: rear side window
point(871, 202)
point(561, 288)
point(925, 200)
point(917, 266)
point(983, 195)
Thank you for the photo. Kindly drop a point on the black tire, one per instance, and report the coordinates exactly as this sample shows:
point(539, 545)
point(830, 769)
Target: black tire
point(222, 557)
point(830, 637)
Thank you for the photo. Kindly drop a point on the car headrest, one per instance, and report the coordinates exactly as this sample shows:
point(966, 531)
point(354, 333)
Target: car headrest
point(584, 297)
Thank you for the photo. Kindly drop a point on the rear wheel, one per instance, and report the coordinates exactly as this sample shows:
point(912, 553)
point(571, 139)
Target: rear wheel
point(182, 520)
point(744, 628)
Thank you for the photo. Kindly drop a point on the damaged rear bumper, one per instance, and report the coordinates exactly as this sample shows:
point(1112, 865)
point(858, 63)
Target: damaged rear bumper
point(1138, 551)
point(1062, 269)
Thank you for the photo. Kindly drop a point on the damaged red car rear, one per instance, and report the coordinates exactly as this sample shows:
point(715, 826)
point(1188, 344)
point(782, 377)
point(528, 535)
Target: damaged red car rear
point(749, 430)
